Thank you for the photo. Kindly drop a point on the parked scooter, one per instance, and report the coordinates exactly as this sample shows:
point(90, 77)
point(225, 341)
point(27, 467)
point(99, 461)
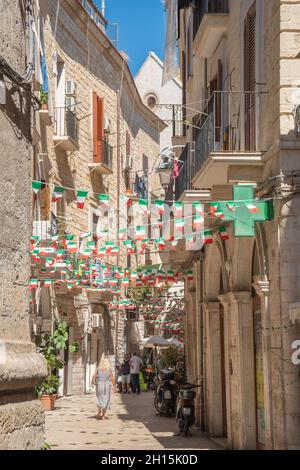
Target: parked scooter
point(185, 415)
point(166, 393)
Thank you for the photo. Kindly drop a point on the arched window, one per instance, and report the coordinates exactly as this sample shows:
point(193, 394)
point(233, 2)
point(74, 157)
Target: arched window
point(151, 100)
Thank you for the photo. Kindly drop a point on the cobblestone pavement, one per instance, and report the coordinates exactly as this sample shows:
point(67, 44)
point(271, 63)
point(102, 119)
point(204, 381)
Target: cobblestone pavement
point(132, 425)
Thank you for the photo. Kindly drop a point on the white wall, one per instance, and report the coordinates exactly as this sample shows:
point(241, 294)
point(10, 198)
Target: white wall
point(149, 80)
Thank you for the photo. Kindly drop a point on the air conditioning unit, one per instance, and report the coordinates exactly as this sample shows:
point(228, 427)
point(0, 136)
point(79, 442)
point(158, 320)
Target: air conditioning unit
point(128, 163)
point(71, 103)
point(70, 88)
point(97, 321)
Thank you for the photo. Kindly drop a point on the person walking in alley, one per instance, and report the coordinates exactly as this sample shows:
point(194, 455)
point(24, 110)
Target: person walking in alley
point(104, 380)
point(135, 366)
point(125, 371)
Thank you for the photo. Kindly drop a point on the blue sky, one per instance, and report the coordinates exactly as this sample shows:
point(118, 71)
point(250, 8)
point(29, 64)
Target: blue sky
point(141, 28)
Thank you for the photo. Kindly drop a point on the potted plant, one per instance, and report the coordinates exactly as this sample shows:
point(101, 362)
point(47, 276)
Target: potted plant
point(50, 345)
point(44, 100)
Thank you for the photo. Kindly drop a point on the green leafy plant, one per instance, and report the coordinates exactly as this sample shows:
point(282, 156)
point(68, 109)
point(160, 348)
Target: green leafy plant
point(46, 446)
point(44, 97)
point(49, 345)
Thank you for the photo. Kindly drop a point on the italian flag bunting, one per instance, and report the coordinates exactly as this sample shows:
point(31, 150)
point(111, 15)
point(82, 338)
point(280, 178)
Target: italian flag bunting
point(198, 222)
point(198, 208)
point(160, 207)
point(174, 243)
point(54, 240)
point(252, 208)
point(160, 242)
point(33, 284)
point(179, 224)
point(220, 214)
point(178, 209)
point(140, 233)
point(208, 237)
point(231, 206)
point(57, 194)
point(115, 250)
point(129, 245)
point(145, 242)
point(143, 203)
point(125, 282)
point(37, 186)
point(190, 275)
point(48, 283)
point(71, 247)
point(81, 198)
point(122, 232)
point(213, 208)
point(223, 233)
point(109, 246)
point(104, 200)
point(91, 245)
point(101, 252)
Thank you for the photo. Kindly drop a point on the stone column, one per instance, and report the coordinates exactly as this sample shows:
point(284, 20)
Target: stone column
point(21, 369)
point(242, 385)
point(262, 288)
point(213, 358)
point(225, 301)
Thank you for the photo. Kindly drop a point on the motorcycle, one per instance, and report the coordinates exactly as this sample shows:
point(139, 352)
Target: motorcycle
point(166, 393)
point(185, 415)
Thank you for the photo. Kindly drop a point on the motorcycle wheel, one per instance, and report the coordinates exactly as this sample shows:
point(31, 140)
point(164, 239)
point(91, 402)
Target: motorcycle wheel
point(168, 408)
point(186, 427)
point(157, 403)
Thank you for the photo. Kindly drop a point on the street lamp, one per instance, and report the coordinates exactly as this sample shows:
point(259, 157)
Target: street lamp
point(166, 166)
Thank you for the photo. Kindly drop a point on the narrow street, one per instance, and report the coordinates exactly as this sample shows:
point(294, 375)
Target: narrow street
point(132, 425)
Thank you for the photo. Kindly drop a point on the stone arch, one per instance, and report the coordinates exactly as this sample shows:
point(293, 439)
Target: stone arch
point(216, 265)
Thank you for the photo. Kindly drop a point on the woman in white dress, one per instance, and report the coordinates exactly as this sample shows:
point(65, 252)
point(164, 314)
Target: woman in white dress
point(104, 381)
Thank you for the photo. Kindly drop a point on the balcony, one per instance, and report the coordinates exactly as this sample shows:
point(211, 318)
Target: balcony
point(210, 23)
point(105, 166)
point(226, 148)
point(66, 129)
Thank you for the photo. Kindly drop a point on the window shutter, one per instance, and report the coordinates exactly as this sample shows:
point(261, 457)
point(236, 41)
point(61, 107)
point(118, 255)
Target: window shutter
point(98, 128)
point(250, 78)
point(128, 144)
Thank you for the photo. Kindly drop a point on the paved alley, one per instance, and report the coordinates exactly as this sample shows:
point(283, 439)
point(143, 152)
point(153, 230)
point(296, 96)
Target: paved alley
point(132, 425)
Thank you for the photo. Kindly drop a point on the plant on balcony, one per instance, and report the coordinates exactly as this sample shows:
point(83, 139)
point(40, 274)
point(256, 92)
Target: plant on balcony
point(44, 100)
point(50, 345)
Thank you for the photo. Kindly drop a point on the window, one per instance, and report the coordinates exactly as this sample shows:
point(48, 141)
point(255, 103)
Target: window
point(250, 78)
point(151, 101)
point(98, 128)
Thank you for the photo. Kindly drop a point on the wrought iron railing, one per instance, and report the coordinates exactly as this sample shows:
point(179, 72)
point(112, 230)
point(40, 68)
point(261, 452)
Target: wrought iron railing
point(227, 123)
point(66, 123)
point(203, 7)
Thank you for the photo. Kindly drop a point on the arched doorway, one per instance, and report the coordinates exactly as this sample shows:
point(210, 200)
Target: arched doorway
point(215, 326)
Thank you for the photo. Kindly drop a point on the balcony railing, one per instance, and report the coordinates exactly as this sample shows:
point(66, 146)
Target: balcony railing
point(66, 123)
point(178, 118)
point(227, 124)
point(203, 7)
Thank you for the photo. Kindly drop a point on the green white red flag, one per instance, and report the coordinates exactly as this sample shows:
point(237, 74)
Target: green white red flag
point(104, 200)
point(223, 233)
point(36, 186)
point(57, 194)
point(208, 237)
point(81, 198)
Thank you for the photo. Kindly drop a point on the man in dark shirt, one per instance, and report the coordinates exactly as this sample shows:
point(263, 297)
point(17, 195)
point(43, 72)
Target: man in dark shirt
point(125, 371)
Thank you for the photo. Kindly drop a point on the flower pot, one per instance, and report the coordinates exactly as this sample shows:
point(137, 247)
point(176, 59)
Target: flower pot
point(44, 107)
point(48, 402)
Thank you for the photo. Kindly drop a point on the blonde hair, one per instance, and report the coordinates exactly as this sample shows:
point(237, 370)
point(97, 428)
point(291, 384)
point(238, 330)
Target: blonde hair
point(104, 363)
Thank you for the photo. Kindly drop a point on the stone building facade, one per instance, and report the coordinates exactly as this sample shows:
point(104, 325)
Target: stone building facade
point(164, 100)
point(239, 66)
point(96, 135)
point(21, 369)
